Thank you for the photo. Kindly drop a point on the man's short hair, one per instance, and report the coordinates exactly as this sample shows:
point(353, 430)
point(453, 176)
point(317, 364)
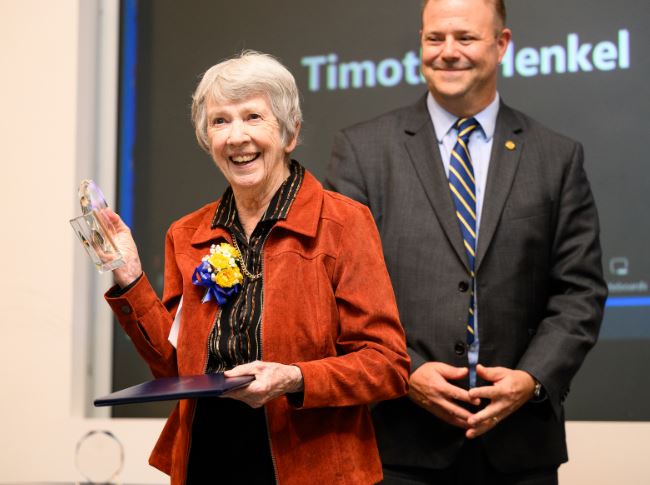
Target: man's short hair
point(499, 7)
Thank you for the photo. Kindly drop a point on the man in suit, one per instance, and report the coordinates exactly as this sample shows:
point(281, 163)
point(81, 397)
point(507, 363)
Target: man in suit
point(491, 237)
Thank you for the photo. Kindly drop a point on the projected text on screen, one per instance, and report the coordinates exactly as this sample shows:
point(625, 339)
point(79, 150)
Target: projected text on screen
point(328, 72)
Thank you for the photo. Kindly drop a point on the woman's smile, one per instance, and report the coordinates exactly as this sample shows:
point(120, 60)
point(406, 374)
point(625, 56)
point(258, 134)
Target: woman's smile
point(243, 159)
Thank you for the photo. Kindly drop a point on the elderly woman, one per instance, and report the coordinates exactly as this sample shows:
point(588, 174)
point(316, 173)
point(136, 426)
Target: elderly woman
point(278, 279)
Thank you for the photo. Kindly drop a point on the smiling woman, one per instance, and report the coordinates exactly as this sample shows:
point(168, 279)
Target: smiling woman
point(245, 143)
point(271, 280)
point(247, 116)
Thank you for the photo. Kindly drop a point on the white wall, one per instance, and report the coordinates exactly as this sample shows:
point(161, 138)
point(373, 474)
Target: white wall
point(40, 154)
point(46, 116)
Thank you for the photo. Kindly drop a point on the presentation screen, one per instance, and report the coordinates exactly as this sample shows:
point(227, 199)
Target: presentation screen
point(580, 67)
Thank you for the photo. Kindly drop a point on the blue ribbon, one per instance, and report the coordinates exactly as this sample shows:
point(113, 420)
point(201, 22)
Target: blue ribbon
point(203, 277)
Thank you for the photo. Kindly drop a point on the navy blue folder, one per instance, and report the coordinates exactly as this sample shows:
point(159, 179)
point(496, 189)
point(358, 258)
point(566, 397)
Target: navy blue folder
point(172, 388)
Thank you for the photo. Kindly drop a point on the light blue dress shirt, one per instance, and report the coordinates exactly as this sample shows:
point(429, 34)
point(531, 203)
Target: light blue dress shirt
point(480, 146)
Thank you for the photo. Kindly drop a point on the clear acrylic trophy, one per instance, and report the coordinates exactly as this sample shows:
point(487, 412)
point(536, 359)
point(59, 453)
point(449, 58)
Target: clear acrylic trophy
point(94, 229)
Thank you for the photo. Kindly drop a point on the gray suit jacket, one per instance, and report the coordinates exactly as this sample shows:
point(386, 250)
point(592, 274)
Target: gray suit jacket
point(538, 271)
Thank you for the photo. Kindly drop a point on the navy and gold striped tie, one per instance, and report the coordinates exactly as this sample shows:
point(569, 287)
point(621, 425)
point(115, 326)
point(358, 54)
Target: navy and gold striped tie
point(463, 190)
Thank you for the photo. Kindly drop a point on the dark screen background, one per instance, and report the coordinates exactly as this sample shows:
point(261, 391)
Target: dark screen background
point(607, 111)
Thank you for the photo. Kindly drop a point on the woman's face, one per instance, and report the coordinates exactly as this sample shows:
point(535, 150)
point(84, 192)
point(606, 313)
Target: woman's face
point(246, 145)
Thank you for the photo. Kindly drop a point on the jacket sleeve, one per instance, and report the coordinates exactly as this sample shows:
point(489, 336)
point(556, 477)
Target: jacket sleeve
point(577, 289)
point(372, 363)
point(346, 176)
point(146, 319)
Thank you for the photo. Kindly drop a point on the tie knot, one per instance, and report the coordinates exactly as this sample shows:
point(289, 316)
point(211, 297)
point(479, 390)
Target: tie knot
point(465, 127)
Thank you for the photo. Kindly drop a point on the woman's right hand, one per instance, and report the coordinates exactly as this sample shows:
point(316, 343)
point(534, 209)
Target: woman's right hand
point(132, 268)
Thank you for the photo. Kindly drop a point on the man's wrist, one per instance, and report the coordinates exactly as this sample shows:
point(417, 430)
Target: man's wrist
point(539, 394)
point(535, 388)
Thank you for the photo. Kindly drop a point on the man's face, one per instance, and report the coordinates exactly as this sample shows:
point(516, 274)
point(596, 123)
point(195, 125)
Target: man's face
point(462, 44)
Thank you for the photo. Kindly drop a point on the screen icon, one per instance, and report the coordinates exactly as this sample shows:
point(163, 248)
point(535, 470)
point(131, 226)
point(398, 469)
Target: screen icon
point(619, 266)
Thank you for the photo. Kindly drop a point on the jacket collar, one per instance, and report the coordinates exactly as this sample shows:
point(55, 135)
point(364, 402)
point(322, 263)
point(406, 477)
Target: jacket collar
point(305, 211)
point(420, 143)
point(302, 217)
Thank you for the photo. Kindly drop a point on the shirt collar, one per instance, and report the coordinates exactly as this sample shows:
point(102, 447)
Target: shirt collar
point(226, 213)
point(443, 120)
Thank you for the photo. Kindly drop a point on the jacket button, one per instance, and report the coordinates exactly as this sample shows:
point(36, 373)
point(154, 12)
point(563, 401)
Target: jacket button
point(126, 309)
point(463, 286)
point(460, 348)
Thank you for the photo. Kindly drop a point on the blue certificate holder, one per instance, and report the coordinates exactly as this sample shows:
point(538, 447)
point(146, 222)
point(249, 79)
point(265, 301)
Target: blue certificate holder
point(173, 388)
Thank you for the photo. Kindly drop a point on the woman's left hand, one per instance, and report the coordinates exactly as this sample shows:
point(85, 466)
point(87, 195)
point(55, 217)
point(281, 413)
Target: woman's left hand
point(271, 380)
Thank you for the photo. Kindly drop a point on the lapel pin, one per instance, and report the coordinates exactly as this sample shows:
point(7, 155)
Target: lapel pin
point(510, 145)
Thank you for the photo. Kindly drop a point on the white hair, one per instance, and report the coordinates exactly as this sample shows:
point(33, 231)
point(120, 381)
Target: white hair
point(249, 74)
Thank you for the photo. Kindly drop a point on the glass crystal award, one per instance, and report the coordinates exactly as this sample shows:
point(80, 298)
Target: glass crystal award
point(94, 229)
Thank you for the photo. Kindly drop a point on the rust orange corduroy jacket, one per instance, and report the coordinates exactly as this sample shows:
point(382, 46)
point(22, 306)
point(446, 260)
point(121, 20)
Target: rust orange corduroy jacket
point(328, 308)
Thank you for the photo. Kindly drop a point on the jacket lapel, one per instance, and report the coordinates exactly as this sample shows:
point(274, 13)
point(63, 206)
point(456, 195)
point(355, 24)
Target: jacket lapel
point(504, 160)
point(204, 233)
point(421, 145)
point(304, 214)
point(302, 218)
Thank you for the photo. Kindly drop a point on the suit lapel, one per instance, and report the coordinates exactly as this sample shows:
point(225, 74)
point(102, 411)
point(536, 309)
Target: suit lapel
point(421, 145)
point(503, 166)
